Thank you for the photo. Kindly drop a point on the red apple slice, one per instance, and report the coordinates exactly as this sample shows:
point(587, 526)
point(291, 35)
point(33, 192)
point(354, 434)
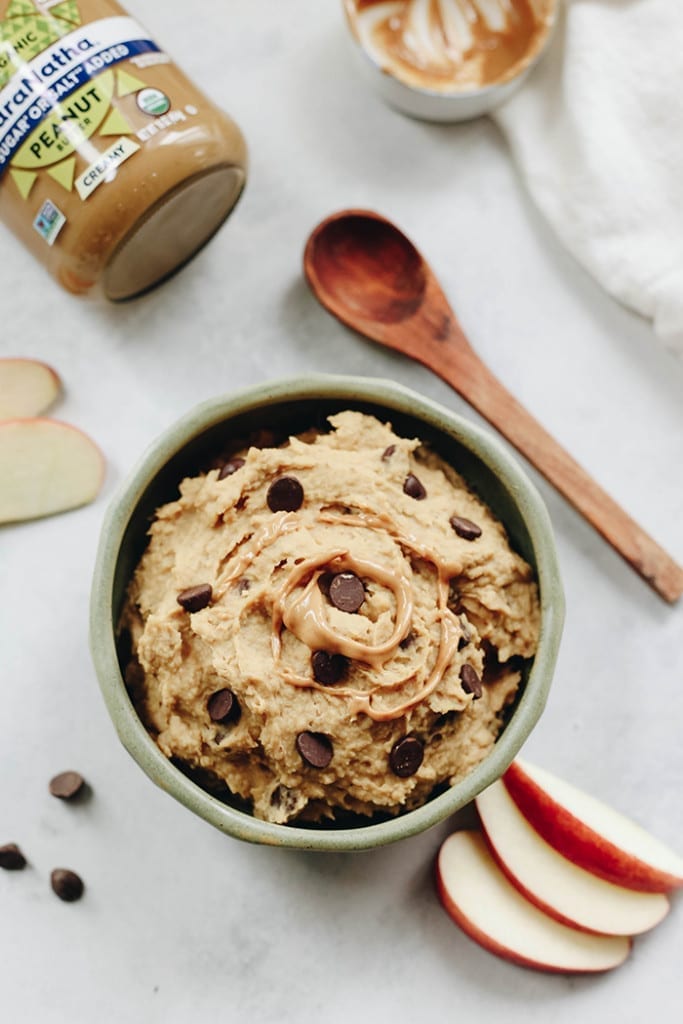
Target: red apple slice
point(491, 911)
point(590, 833)
point(27, 388)
point(566, 892)
point(45, 466)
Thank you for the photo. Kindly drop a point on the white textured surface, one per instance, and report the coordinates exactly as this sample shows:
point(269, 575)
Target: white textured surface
point(179, 922)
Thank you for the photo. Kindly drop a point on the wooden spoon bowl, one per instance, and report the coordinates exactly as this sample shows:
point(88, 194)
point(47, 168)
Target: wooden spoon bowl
point(365, 265)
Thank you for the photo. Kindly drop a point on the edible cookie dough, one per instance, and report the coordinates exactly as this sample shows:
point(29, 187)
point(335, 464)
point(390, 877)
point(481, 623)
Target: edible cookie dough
point(335, 624)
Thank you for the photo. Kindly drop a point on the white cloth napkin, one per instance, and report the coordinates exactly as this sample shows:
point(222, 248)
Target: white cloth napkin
point(597, 132)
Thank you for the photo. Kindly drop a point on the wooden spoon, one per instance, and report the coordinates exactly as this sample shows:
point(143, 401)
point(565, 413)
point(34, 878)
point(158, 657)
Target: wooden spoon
point(372, 278)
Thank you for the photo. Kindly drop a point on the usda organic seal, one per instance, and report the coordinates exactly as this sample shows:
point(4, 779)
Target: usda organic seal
point(153, 102)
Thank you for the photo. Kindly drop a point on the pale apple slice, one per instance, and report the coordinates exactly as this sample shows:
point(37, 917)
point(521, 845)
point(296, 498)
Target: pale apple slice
point(46, 466)
point(491, 911)
point(27, 388)
point(568, 893)
point(590, 833)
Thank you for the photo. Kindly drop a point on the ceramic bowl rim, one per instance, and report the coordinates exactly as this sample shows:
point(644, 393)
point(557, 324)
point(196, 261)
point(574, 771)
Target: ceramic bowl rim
point(352, 389)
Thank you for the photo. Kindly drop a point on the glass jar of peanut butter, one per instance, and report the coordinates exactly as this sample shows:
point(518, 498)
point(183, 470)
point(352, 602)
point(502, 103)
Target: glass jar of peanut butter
point(114, 168)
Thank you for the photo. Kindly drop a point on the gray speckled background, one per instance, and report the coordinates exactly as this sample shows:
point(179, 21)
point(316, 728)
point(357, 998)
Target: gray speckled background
point(179, 922)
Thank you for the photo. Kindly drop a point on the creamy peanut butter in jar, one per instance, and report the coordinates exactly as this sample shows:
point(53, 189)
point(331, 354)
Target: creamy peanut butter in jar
point(114, 168)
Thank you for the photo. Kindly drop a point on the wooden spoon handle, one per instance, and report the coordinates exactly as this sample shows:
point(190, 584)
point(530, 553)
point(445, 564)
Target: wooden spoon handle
point(460, 367)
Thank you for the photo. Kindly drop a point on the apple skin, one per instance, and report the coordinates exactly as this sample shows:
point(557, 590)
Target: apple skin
point(578, 952)
point(592, 850)
point(27, 387)
point(559, 888)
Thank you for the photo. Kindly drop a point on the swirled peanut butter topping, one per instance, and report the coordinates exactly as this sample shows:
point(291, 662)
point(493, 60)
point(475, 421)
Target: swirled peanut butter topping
point(303, 610)
point(300, 606)
point(446, 45)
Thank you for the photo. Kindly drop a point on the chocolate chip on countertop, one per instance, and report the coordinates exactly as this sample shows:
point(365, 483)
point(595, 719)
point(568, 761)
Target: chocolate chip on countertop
point(414, 488)
point(67, 885)
point(347, 592)
point(11, 857)
point(315, 748)
point(465, 528)
point(66, 785)
point(406, 756)
point(471, 683)
point(328, 668)
point(223, 707)
point(285, 494)
point(195, 598)
point(230, 467)
point(388, 452)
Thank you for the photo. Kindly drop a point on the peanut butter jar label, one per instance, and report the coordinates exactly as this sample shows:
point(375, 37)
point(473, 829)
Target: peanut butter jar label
point(86, 97)
point(53, 101)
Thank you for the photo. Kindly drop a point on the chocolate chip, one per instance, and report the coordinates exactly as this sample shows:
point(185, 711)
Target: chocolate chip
point(328, 668)
point(315, 748)
point(324, 582)
point(223, 707)
point(67, 885)
point(195, 598)
point(388, 452)
point(228, 468)
point(471, 683)
point(285, 494)
point(406, 756)
point(407, 641)
point(11, 857)
point(242, 585)
point(66, 785)
point(347, 592)
point(465, 528)
point(413, 488)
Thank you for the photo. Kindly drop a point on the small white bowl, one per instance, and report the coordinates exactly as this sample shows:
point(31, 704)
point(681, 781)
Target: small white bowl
point(462, 103)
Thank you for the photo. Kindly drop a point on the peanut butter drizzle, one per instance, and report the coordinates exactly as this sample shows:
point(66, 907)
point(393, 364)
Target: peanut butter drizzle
point(305, 615)
point(281, 523)
point(361, 701)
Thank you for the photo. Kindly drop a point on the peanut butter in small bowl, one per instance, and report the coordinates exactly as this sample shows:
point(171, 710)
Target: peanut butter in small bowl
point(449, 60)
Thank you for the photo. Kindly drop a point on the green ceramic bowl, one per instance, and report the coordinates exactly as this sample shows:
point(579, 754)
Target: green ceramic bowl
point(294, 405)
